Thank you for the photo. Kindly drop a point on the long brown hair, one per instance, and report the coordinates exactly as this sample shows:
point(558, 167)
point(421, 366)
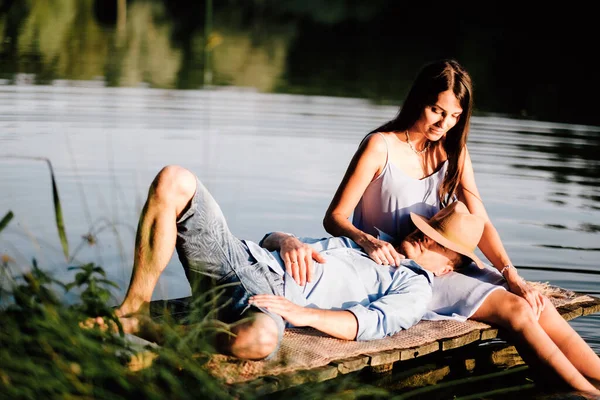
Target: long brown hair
point(433, 79)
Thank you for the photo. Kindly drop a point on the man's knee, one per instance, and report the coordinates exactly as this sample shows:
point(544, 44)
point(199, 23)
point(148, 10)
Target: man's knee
point(254, 338)
point(174, 185)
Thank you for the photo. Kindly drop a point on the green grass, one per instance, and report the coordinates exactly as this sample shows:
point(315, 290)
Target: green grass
point(44, 353)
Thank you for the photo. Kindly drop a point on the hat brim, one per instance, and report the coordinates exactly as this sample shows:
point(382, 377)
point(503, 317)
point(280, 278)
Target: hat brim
point(427, 229)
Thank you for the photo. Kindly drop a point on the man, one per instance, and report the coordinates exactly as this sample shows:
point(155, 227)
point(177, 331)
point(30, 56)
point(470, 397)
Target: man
point(349, 296)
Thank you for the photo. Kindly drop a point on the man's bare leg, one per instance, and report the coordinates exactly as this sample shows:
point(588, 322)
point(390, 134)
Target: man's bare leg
point(168, 196)
point(254, 337)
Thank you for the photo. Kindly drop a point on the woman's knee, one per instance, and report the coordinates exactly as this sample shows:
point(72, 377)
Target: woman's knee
point(505, 309)
point(517, 313)
point(174, 184)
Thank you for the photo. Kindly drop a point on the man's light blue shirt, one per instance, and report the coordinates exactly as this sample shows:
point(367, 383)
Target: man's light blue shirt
point(383, 299)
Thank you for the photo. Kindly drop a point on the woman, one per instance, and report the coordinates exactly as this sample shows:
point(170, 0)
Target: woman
point(419, 162)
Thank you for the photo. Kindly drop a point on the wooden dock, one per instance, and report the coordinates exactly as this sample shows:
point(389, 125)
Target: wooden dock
point(307, 355)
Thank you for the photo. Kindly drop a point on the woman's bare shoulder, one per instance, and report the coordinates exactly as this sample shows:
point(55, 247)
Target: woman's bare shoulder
point(377, 142)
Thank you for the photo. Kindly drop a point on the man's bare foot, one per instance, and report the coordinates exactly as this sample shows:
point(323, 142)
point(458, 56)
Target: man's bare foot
point(132, 322)
point(139, 325)
point(129, 324)
point(132, 307)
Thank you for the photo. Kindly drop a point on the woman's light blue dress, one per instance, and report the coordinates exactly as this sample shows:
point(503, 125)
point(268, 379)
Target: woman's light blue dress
point(383, 211)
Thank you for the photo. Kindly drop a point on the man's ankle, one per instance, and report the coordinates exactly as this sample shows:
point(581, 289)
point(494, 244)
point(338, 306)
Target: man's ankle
point(131, 308)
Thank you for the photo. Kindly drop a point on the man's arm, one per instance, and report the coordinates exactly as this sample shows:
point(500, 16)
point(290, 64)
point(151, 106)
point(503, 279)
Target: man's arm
point(403, 305)
point(339, 324)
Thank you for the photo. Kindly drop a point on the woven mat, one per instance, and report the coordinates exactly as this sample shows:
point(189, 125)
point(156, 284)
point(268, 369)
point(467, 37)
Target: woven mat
point(306, 348)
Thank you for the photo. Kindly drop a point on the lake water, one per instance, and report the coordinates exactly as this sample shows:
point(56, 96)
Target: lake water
point(273, 162)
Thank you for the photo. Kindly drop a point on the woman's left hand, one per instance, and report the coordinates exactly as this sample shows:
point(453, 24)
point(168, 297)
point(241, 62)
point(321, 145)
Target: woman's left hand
point(518, 286)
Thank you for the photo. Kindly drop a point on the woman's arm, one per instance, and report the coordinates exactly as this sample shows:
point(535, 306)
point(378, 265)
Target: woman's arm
point(366, 164)
point(490, 244)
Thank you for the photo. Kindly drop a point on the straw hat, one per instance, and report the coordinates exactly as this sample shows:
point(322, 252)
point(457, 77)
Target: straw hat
point(455, 228)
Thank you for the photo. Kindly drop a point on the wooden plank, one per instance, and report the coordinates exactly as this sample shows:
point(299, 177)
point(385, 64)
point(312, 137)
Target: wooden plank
point(570, 311)
point(419, 351)
point(506, 357)
point(262, 386)
point(384, 357)
point(270, 384)
point(411, 377)
point(381, 368)
point(592, 307)
point(322, 373)
point(418, 378)
point(489, 333)
point(352, 364)
point(459, 341)
point(470, 364)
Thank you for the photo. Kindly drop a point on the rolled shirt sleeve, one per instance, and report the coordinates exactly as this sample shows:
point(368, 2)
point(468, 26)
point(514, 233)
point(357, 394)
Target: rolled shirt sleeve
point(404, 304)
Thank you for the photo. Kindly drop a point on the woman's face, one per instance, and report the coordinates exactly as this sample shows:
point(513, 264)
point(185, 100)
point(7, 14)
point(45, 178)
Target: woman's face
point(437, 119)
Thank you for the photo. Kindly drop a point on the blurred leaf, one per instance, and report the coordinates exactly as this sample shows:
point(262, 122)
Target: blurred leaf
point(99, 270)
point(81, 278)
point(109, 283)
point(60, 225)
point(9, 215)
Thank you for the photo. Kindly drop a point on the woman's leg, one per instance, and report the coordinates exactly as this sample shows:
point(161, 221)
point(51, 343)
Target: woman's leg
point(570, 343)
point(513, 313)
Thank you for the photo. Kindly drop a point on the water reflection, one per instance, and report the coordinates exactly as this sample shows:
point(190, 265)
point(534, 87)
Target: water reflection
point(591, 228)
point(341, 48)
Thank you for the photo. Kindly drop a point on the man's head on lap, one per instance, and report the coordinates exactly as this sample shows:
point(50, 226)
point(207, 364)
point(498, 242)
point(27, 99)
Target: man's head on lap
point(446, 241)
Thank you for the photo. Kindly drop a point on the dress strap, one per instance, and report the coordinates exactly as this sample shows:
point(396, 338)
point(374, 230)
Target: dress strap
point(387, 151)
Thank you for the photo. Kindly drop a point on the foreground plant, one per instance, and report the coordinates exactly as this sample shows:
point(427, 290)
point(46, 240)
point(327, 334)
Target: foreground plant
point(45, 354)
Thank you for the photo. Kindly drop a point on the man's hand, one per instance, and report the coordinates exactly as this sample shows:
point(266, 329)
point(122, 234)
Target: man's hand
point(298, 258)
point(340, 324)
point(293, 313)
point(380, 251)
point(519, 287)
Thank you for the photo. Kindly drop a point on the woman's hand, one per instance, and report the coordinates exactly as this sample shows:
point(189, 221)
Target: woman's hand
point(518, 286)
point(298, 258)
point(380, 251)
